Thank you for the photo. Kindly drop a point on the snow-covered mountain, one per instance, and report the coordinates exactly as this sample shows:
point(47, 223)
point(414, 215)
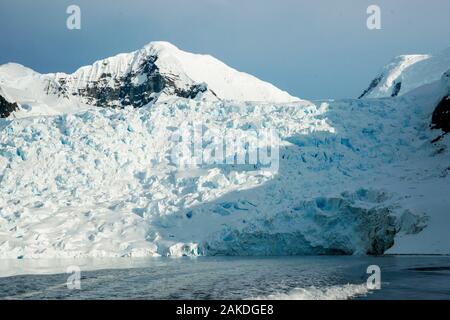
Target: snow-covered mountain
point(407, 72)
point(355, 176)
point(156, 72)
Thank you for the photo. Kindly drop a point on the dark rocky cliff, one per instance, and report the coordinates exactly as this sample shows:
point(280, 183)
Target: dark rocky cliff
point(7, 107)
point(121, 91)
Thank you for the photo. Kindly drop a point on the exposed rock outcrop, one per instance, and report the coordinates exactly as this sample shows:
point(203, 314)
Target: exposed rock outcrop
point(441, 115)
point(135, 88)
point(7, 107)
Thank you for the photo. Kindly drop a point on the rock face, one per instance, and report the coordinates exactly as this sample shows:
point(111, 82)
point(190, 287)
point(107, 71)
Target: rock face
point(441, 115)
point(136, 88)
point(396, 89)
point(6, 107)
point(372, 86)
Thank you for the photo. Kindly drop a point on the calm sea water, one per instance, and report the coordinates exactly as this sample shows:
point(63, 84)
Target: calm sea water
point(402, 277)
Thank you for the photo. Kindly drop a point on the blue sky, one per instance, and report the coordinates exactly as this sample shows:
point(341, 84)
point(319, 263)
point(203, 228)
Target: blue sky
point(313, 49)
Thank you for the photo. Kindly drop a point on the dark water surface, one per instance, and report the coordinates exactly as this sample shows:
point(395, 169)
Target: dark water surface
point(402, 277)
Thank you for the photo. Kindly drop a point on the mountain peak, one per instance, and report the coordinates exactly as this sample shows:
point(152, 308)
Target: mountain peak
point(161, 45)
point(157, 71)
point(405, 73)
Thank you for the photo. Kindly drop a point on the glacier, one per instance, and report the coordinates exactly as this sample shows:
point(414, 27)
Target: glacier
point(355, 176)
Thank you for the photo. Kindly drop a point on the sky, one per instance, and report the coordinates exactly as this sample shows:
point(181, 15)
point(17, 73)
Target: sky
point(313, 49)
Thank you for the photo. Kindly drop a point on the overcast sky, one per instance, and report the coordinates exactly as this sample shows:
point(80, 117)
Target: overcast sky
point(313, 49)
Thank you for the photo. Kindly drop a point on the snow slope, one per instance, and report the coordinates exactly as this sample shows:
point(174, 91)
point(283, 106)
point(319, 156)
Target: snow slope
point(407, 72)
point(157, 71)
point(35, 93)
point(355, 177)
